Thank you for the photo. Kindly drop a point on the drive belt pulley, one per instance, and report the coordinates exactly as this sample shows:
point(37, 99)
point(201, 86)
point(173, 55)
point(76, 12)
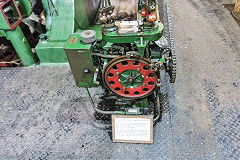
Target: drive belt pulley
point(130, 77)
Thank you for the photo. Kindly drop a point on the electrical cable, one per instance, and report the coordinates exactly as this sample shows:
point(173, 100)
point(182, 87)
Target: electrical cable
point(11, 62)
point(158, 108)
point(50, 12)
point(54, 7)
point(98, 110)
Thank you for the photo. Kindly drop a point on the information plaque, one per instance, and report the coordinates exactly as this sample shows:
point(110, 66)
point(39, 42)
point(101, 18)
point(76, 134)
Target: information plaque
point(132, 129)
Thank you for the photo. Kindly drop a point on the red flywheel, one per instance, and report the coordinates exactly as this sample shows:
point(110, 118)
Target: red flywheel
point(130, 77)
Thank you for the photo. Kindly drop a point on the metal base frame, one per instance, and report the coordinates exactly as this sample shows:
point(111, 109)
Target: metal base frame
point(158, 104)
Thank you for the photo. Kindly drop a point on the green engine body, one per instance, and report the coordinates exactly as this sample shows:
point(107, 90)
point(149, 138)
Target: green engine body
point(80, 55)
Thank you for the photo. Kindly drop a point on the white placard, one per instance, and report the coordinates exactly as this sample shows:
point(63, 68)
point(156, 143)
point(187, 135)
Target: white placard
point(136, 129)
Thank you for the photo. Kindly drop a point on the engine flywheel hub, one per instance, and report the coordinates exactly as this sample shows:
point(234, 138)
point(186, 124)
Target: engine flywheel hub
point(130, 77)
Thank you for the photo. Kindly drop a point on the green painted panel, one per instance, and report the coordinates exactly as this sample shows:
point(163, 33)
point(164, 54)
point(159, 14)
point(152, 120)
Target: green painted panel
point(82, 66)
point(51, 52)
point(62, 24)
point(80, 60)
point(3, 24)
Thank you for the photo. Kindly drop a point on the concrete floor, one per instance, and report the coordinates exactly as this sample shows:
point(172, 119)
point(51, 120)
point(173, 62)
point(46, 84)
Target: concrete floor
point(206, 98)
point(44, 116)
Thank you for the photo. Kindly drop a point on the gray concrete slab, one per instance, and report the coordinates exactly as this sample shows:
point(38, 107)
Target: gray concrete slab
point(205, 99)
point(44, 116)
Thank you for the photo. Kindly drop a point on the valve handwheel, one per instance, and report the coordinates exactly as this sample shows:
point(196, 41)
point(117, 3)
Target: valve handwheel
point(130, 77)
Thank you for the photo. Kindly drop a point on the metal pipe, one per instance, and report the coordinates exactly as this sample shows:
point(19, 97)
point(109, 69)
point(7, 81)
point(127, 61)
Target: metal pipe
point(21, 46)
point(98, 110)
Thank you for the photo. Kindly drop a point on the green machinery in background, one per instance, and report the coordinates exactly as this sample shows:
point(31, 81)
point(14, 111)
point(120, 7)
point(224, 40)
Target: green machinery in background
point(61, 19)
point(11, 16)
point(67, 17)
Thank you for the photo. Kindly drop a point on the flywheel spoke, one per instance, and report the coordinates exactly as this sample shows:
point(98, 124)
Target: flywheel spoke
point(129, 77)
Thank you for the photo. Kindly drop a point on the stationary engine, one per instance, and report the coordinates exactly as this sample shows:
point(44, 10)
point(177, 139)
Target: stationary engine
point(124, 58)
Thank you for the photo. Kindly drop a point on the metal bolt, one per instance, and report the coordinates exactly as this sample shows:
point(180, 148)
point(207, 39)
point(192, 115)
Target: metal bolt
point(97, 83)
point(138, 69)
point(124, 88)
point(152, 65)
point(24, 40)
point(144, 84)
point(117, 73)
point(86, 71)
